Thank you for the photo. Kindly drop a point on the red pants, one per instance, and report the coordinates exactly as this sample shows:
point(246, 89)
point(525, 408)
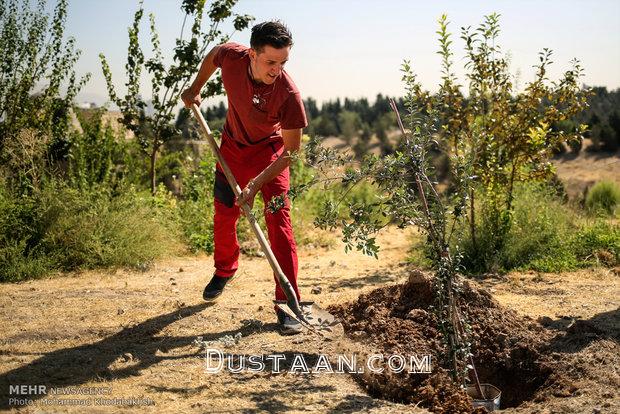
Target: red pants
point(246, 162)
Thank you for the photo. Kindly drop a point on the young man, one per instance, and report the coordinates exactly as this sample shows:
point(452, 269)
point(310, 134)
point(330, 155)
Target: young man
point(263, 128)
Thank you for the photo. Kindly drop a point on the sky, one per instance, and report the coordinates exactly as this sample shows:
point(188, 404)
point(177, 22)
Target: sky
point(354, 49)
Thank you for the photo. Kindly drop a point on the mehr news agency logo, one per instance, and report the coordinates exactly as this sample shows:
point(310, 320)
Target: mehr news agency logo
point(28, 395)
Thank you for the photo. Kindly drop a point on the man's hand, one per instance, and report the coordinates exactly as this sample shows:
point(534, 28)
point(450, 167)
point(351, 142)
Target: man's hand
point(247, 195)
point(190, 97)
point(292, 142)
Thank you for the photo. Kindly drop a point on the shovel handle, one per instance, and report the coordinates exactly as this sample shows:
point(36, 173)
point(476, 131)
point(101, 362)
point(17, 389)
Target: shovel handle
point(284, 283)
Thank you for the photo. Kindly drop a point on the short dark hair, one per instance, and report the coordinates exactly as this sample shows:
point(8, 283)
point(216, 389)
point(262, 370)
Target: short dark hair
point(272, 33)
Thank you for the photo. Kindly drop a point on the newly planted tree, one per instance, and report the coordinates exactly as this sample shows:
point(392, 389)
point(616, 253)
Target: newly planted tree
point(155, 128)
point(408, 196)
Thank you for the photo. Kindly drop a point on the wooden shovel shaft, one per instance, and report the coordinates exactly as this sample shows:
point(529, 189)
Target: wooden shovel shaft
point(284, 283)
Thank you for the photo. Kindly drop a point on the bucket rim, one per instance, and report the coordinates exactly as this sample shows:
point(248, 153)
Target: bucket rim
point(497, 393)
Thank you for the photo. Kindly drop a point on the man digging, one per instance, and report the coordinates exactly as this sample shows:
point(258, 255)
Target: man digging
point(263, 129)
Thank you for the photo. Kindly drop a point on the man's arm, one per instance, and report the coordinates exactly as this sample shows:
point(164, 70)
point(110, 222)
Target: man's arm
point(192, 94)
point(292, 143)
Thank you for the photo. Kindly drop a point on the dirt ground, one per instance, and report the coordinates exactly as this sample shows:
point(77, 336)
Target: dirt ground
point(139, 333)
point(142, 335)
point(565, 363)
point(583, 171)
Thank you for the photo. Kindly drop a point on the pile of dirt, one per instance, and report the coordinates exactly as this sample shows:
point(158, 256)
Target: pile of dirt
point(509, 350)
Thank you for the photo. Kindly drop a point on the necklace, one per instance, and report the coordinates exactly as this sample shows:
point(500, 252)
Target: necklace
point(259, 99)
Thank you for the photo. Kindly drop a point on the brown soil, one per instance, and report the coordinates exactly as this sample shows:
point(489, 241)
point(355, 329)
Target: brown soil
point(142, 334)
point(509, 351)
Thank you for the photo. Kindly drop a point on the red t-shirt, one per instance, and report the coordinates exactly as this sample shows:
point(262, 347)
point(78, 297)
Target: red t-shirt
point(256, 113)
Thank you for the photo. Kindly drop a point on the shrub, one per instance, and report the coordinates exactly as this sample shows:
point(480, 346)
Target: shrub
point(546, 235)
point(20, 230)
point(604, 197)
point(196, 205)
point(538, 237)
point(95, 151)
point(598, 243)
point(60, 228)
point(92, 229)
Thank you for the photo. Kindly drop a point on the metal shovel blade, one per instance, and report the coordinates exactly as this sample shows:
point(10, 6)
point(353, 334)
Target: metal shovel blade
point(314, 318)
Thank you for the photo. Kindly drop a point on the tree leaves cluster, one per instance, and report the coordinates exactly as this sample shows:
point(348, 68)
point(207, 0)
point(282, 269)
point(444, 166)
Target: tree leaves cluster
point(506, 133)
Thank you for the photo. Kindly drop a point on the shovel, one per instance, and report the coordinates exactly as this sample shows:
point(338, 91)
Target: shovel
point(307, 313)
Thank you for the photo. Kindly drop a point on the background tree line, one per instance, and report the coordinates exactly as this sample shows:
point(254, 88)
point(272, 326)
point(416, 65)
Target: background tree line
point(356, 121)
point(603, 118)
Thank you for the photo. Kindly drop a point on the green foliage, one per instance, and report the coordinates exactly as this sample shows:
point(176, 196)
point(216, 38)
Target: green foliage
point(538, 238)
point(196, 207)
point(61, 228)
point(33, 51)
point(603, 198)
point(94, 152)
point(546, 235)
point(597, 243)
point(153, 130)
point(507, 135)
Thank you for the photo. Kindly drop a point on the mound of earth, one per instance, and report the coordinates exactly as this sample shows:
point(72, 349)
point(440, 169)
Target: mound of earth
point(516, 354)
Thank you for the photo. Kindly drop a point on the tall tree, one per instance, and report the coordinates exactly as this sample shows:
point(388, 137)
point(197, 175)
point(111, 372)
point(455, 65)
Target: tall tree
point(167, 83)
point(507, 135)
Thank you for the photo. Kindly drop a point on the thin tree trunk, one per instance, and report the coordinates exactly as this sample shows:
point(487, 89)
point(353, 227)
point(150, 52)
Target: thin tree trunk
point(511, 187)
point(153, 158)
point(472, 219)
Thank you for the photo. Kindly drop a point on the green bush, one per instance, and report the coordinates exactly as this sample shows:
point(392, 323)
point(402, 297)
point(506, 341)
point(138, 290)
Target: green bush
point(95, 151)
point(545, 235)
point(196, 205)
point(604, 197)
point(597, 243)
point(20, 231)
point(61, 228)
point(540, 235)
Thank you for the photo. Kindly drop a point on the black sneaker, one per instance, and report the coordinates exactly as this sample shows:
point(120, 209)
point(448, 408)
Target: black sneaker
point(215, 287)
point(287, 325)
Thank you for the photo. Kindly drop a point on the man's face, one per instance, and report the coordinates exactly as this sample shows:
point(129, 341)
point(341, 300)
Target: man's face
point(268, 64)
